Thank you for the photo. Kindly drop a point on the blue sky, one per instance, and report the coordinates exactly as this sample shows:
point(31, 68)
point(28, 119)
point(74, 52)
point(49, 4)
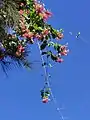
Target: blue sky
point(20, 92)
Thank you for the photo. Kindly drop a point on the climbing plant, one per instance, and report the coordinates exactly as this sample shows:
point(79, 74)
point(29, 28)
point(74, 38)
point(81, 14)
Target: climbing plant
point(24, 23)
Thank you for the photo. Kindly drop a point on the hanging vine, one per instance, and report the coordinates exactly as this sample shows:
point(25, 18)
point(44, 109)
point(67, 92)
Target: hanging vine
point(23, 22)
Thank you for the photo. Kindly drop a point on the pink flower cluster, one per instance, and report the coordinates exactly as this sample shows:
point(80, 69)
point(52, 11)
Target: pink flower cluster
point(59, 35)
point(25, 32)
point(20, 50)
point(63, 51)
point(59, 59)
point(41, 11)
point(43, 34)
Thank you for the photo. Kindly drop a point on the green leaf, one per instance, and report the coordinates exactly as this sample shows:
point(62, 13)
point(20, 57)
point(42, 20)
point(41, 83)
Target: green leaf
point(53, 57)
point(56, 46)
point(43, 45)
point(50, 44)
point(61, 30)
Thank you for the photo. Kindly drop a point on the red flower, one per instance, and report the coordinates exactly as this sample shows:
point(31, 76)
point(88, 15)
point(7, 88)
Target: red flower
point(1, 57)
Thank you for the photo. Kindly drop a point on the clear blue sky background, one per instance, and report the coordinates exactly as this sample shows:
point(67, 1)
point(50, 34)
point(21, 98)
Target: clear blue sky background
point(19, 94)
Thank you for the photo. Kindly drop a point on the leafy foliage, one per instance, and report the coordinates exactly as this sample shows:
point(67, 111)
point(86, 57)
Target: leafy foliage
point(24, 22)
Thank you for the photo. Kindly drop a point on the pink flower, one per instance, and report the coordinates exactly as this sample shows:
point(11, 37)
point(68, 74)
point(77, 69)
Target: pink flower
point(20, 48)
point(59, 35)
point(59, 60)
point(18, 53)
point(21, 4)
point(45, 100)
point(21, 12)
point(44, 16)
point(38, 36)
point(27, 30)
point(63, 50)
point(48, 13)
point(25, 35)
point(39, 7)
point(45, 32)
point(30, 34)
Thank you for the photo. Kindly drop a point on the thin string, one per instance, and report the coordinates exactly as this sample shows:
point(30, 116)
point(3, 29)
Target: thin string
point(47, 81)
point(42, 59)
point(83, 39)
point(54, 100)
